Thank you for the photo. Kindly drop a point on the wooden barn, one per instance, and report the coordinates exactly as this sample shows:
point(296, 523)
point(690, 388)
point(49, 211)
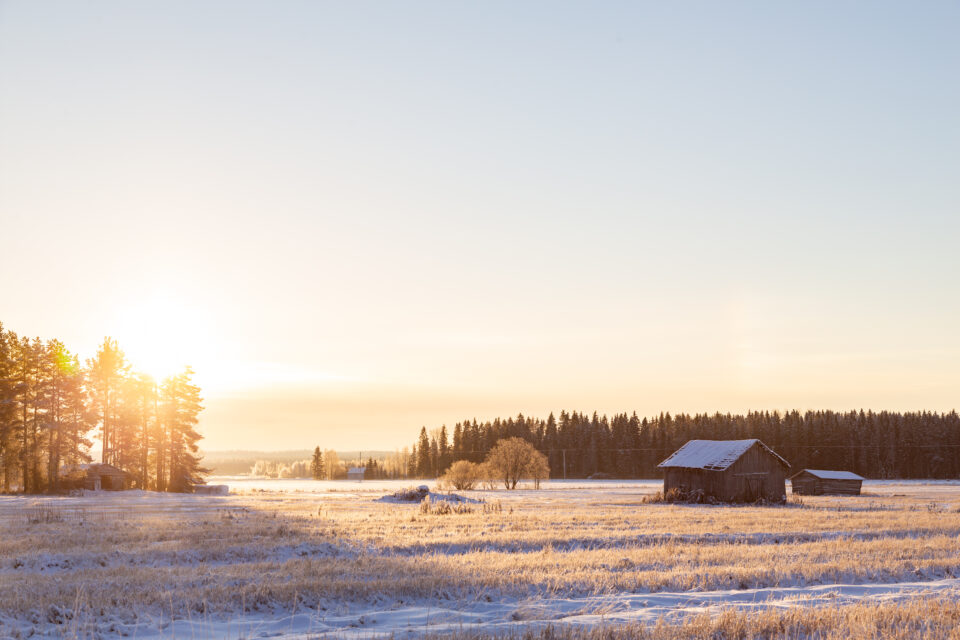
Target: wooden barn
point(727, 471)
point(356, 473)
point(93, 477)
point(817, 482)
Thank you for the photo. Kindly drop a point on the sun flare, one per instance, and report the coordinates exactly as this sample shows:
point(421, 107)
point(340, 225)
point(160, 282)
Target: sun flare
point(160, 335)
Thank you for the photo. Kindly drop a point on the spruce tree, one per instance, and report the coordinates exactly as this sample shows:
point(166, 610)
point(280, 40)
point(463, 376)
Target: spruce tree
point(423, 454)
point(316, 464)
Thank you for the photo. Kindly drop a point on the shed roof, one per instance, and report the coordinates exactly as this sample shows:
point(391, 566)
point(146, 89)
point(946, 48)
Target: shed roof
point(95, 467)
point(73, 468)
point(714, 455)
point(356, 470)
point(831, 475)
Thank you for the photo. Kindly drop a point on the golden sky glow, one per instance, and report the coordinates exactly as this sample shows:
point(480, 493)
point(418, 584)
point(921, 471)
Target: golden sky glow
point(352, 228)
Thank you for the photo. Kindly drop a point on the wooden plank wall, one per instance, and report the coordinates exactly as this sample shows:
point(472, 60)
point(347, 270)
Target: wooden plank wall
point(755, 475)
point(807, 484)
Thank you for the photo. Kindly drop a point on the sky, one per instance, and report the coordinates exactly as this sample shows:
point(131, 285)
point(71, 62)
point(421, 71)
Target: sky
point(354, 219)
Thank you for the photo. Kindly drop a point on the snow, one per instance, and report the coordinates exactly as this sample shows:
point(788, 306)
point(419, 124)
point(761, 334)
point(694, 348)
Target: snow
point(833, 475)
point(384, 617)
point(502, 616)
point(714, 455)
point(511, 614)
point(244, 484)
point(421, 493)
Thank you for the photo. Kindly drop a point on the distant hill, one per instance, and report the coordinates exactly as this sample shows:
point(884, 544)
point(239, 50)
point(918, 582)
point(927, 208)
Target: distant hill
point(240, 461)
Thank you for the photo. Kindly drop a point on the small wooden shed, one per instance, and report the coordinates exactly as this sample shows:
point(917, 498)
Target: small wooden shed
point(817, 482)
point(356, 473)
point(727, 471)
point(93, 477)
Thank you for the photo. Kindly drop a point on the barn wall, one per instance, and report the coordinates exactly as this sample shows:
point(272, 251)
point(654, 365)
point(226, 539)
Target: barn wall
point(841, 487)
point(709, 482)
point(804, 484)
point(756, 474)
point(808, 484)
point(735, 484)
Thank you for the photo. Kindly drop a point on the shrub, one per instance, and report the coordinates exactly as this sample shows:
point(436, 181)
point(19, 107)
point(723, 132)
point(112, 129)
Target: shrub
point(462, 475)
point(443, 508)
point(677, 495)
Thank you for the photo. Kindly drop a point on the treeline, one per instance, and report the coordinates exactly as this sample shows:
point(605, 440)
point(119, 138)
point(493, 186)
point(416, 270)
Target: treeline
point(874, 444)
point(50, 405)
point(327, 465)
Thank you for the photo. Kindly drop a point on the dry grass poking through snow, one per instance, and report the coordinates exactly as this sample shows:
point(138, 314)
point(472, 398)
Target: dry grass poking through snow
point(123, 558)
point(928, 619)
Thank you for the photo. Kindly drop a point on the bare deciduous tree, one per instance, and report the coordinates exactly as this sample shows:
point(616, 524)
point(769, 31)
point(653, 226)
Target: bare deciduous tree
point(513, 459)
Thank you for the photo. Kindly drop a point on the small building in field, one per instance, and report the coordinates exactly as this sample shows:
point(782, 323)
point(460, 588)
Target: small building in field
point(93, 477)
point(212, 489)
point(356, 473)
point(727, 471)
point(817, 482)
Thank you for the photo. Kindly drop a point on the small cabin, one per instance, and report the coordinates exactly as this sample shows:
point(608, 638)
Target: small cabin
point(817, 482)
point(356, 473)
point(727, 471)
point(93, 477)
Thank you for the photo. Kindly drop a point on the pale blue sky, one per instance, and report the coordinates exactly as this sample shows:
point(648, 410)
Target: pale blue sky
point(385, 215)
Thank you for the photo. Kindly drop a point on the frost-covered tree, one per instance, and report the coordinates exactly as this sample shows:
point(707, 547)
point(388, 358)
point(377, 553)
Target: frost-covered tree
point(510, 460)
point(462, 475)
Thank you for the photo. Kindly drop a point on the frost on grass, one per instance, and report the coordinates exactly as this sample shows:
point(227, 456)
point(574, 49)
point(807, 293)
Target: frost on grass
point(277, 562)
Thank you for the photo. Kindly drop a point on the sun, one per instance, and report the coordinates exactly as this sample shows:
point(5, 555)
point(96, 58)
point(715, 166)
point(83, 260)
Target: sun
point(160, 335)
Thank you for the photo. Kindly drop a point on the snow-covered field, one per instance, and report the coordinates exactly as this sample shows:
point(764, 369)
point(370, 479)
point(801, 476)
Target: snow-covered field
point(293, 558)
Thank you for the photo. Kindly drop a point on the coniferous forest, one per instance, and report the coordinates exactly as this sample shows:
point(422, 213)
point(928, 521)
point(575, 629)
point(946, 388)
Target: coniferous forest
point(874, 444)
point(51, 405)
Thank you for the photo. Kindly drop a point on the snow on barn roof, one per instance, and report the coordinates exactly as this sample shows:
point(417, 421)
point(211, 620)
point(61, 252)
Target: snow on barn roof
point(715, 455)
point(832, 475)
point(90, 466)
point(70, 468)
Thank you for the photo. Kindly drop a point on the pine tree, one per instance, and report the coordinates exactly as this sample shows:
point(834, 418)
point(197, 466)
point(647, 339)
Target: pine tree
point(423, 454)
point(7, 404)
point(457, 453)
point(105, 372)
point(443, 451)
point(316, 464)
point(181, 406)
point(63, 388)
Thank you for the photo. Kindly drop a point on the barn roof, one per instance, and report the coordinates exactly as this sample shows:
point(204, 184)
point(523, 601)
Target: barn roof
point(714, 455)
point(96, 467)
point(72, 468)
point(831, 475)
point(357, 470)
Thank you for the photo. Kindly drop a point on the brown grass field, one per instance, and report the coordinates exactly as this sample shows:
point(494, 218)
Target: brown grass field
point(563, 560)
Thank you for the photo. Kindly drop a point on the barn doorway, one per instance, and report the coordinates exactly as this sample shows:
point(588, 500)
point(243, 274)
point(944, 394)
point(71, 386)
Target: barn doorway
point(753, 484)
